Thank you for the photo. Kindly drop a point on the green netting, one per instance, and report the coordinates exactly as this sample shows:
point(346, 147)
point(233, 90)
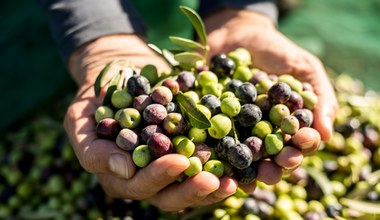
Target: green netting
point(345, 34)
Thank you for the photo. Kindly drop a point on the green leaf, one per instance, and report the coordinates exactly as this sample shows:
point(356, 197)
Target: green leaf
point(188, 107)
point(155, 48)
point(167, 55)
point(188, 60)
point(150, 72)
point(362, 206)
point(111, 88)
point(187, 43)
point(321, 179)
point(99, 82)
point(197, 23)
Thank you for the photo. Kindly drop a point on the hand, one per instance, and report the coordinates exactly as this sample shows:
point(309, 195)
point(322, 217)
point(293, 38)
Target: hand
point(274, 53)
point(114, 167)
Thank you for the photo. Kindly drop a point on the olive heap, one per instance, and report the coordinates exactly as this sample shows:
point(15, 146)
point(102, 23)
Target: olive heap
point(225, 117)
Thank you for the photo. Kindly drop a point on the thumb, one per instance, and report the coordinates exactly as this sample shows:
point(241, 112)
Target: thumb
point(95, 155)
point(324, 112)
point(104, 157)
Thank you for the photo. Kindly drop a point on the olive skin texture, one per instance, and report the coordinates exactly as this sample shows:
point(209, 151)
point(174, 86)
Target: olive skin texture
point(160, 145)
point(247, 175)
point(221, 149)
point(138, 85)
point(279, 93)
point(240, 156)
point(222, 65)
point(127, 139)
point(256, 145)
point(212, 103)
point(155, 113)
point(249, 115)
point(246, 92)
point(108, 128)
point(304, 116)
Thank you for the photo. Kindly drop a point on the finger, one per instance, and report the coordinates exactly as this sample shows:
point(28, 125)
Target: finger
point(307, 140)
point(228, 187)
point(269, 172)
point(289, 158)
point(248, 188)
point(147, 181)
point(309, 68)
point(95, 155)
point(324, 111)
point(188, 193)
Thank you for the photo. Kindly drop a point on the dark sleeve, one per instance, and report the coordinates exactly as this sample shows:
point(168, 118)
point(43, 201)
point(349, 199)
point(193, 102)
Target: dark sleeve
point(75, 22)
point(266, 7)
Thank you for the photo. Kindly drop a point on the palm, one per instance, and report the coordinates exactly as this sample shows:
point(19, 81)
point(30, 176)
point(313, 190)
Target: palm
point(275, 54)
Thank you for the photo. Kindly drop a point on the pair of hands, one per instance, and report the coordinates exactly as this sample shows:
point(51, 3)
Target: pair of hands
point(227, 30)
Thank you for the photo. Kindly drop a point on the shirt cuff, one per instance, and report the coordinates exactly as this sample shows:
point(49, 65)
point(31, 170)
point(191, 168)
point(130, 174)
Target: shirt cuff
point(74, 23)
point(266, 7)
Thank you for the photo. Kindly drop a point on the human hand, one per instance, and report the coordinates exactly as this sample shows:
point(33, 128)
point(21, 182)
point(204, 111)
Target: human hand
point(274, 53)
point(114, 167)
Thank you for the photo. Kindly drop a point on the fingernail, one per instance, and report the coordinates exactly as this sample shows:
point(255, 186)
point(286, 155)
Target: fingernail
point(118, 164)
point(327, 121)
point(329, 126)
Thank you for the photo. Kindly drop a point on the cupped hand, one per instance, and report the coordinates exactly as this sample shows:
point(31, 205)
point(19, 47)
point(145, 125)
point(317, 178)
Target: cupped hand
point(114, 167)
point(274, 53)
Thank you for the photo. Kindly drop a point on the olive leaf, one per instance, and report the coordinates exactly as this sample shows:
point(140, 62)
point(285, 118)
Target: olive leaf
point(155, 48)
point(150, 72)
point(321, 179)
point(188, 107)
point(111, 88)
point(167, 55)
point(99, 82)
point(362, 206)
point(188, 60)
point(187, 43)
point(197, 23)
point(148, 69)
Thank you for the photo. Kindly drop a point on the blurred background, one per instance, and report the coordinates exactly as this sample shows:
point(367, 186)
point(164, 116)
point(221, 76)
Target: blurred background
point(40, 177)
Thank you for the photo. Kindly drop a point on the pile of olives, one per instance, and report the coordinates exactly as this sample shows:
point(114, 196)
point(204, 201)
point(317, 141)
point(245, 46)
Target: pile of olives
point(225, 116)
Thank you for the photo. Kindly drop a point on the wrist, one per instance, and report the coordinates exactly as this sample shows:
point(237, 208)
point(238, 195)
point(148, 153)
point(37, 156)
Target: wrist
point(87, 61)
